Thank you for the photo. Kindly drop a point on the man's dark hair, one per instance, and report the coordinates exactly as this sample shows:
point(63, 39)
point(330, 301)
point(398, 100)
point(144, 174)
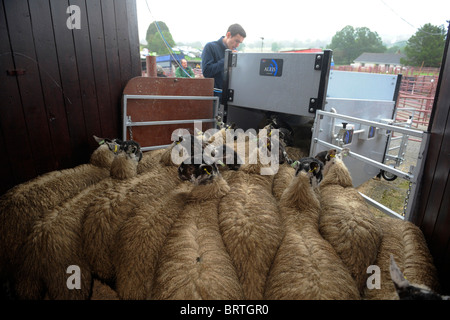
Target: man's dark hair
point(235, 29)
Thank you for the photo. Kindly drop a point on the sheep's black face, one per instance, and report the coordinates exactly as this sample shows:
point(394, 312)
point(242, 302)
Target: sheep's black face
point(131, 147)
point(197, 173)
point(326, 155)
point(312, 166)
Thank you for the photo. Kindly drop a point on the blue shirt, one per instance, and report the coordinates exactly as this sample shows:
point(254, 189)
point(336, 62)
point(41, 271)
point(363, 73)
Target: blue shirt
point(213, 57)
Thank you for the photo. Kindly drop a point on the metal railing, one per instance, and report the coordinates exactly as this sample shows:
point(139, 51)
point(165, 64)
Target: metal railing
point(413, 177)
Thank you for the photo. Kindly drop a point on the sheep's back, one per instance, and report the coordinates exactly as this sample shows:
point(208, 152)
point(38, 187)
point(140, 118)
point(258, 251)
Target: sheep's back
point(406, 243)
point(194, 263)
point(348, 225)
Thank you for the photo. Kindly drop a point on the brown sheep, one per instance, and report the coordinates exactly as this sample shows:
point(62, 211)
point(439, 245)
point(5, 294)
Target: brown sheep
point(251, 227)
point(109, 210)
point(346, 221)
point(406, 243)
point(194, 263)
point(306, 266)
point(140, 239)
point(24, 203)
point(55, 241)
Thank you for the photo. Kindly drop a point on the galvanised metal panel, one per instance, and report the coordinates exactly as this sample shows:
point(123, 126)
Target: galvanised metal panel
point(373, 148)
point(279, 82)
point(361, 85)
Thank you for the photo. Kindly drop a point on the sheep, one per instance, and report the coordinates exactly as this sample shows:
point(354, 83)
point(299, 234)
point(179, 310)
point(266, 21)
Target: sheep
point(251, 228)
point(282, 179)
point(347, 222)
point(410, 291)
point(24, 203)
point(405, 242)
point(140, 239)
point(306, 266)
point(194, 263)
point(55, 240)
point(104, 217)
point(102, 291)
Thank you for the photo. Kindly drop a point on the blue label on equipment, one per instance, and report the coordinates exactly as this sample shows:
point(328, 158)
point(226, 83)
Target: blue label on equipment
point(271, 67)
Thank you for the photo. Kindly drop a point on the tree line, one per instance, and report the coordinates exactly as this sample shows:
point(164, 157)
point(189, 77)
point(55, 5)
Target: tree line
point(425, 48)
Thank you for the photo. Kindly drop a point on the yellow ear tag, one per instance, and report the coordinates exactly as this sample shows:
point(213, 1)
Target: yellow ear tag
point(207, 171)
point(115, 148)
point(332, 155)
point(311, 170)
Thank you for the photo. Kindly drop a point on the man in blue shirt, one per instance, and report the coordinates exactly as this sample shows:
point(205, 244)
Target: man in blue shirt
point(213, 54)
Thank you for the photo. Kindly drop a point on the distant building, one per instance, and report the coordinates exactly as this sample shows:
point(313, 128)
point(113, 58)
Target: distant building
point(387, 60)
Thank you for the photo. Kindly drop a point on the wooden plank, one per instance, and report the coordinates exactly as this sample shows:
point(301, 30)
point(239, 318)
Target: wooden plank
point(14, 146)
point(123, 41)
point(438, 122)
point(156, 110)
point(51, 83)
point(22, 44)
point(6, 169)
point(86, 76)
point(133, 34)
point(113, 61)
point(70, 81)
point(100, 68)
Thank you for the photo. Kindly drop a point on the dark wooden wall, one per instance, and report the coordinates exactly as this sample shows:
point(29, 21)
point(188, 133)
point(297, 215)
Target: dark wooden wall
point(432, 212)
point(69, 82)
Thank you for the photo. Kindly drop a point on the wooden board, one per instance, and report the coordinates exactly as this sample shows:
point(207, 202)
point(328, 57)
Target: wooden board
point(160, 110)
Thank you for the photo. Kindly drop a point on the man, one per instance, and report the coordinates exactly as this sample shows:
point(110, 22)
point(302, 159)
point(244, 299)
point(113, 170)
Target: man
point(213, 54)
point(186, 73)
point(160, 71)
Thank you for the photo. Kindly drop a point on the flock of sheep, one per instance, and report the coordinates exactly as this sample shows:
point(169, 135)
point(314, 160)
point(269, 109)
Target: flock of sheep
point(145, 228)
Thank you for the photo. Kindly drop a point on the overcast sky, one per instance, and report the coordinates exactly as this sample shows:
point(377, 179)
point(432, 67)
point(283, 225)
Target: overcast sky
point(278, 20)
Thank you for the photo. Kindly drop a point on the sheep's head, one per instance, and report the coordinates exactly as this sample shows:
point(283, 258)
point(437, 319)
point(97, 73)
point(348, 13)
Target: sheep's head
point(408, 291)
point(312, 166)
point(326, 155)
point(198, 173)
point(131, 148)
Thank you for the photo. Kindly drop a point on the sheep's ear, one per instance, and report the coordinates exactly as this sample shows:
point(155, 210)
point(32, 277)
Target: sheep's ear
point(345, 152)
point(332, 153)
point(396, 275)
point(113, 145)
point(99, 140)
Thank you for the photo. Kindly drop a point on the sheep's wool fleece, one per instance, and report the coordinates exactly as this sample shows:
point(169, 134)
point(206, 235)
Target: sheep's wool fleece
point(347, 223)
point(153, 254)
